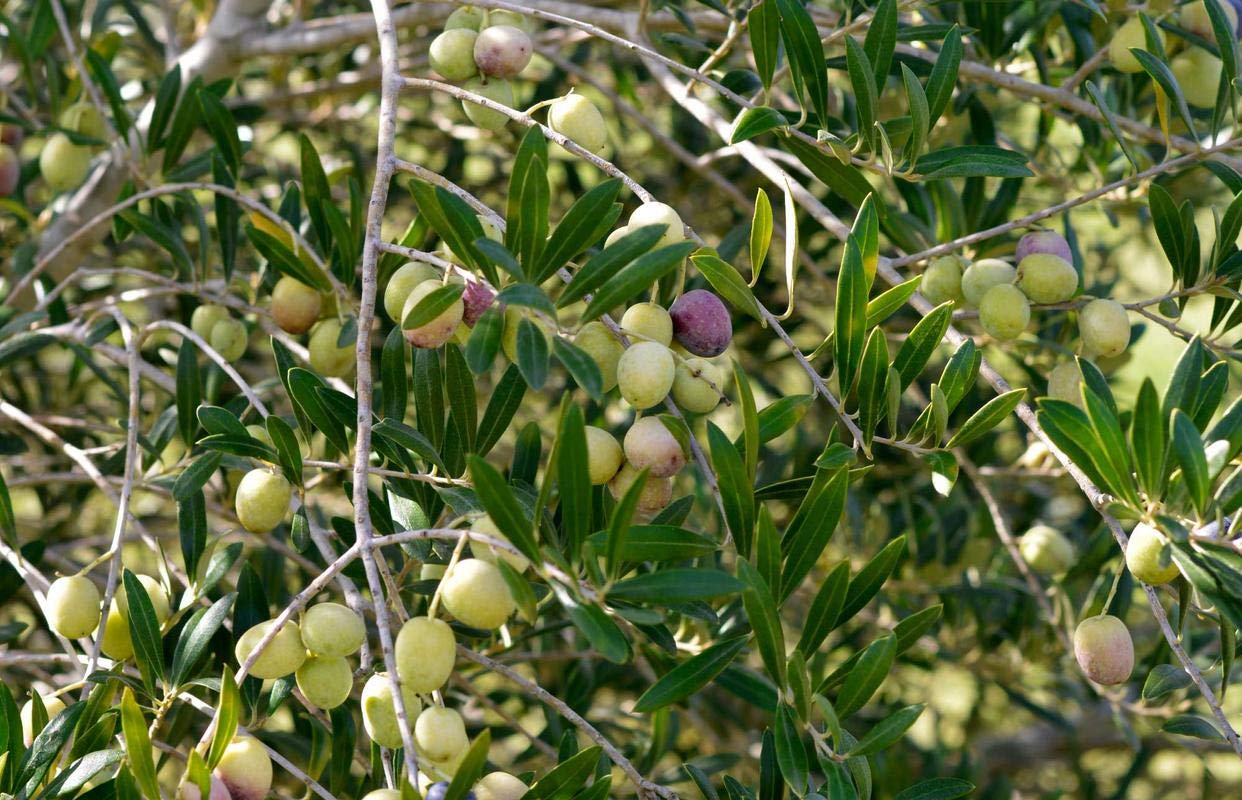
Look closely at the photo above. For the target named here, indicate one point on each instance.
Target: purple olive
(701, 323)
(477, 299)
(1043, 242)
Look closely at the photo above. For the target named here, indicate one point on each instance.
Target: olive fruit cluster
(414, 282)
(63, 162)
(226, 334)
(315, 652)
(482, 50)
(1197, 70)
(1003, 295)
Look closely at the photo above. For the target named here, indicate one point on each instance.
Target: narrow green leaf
(920, 115)
(501, 505)
(882, 39)
(144, 630)
(574, 480)
(986, 418)
(527, 212)
(887, 731)
(863, 82)
(944, 75)
(919, 345)
(690, 676)
(433, 305)
(578, 228)
(851, 314)
(736, 488)
(503, 404)
(764, 29)
(870, 578)
(228, 709)
(755, 121)
(609, 261)
(635, 277)
(936, 789)
(866, 676)
(138, 746)
(602, 632)
(761, 610)
(790, 751)
(676, 585)
(1188, 448)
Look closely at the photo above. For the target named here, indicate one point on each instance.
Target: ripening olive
(1146, 556)
(1004, 311)
(325, 682)
(499, 786)
(64, 164)
(379, 709)
(425, 651)
(452, 54)
(1045, 278)
(656, 492)
(246, 769)
(262, 500)
(1104, 327)
(598, 342)
(52, 704)
(327, 356)
(648, 321)
(331, 629)
(645, 374)
(282, 656)
(942, 280)
(1131, 35)
(440, 733)
(697, 385)
(490, 553)
(295, 306)
(651, 446)
(439, 329)
(659, 214)
(1043, 241)
(983, 275)
(73, 606)
(1047, 550)
(603, 455)
(578, 119)
(475, 592)
(701, 323)
(1104, 649)
(402, 282)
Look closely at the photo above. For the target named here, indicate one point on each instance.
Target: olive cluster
(1197, 70)
(296, 309)
(483, 49)
(1102, 644)
(1003, 296)
(656, 353)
